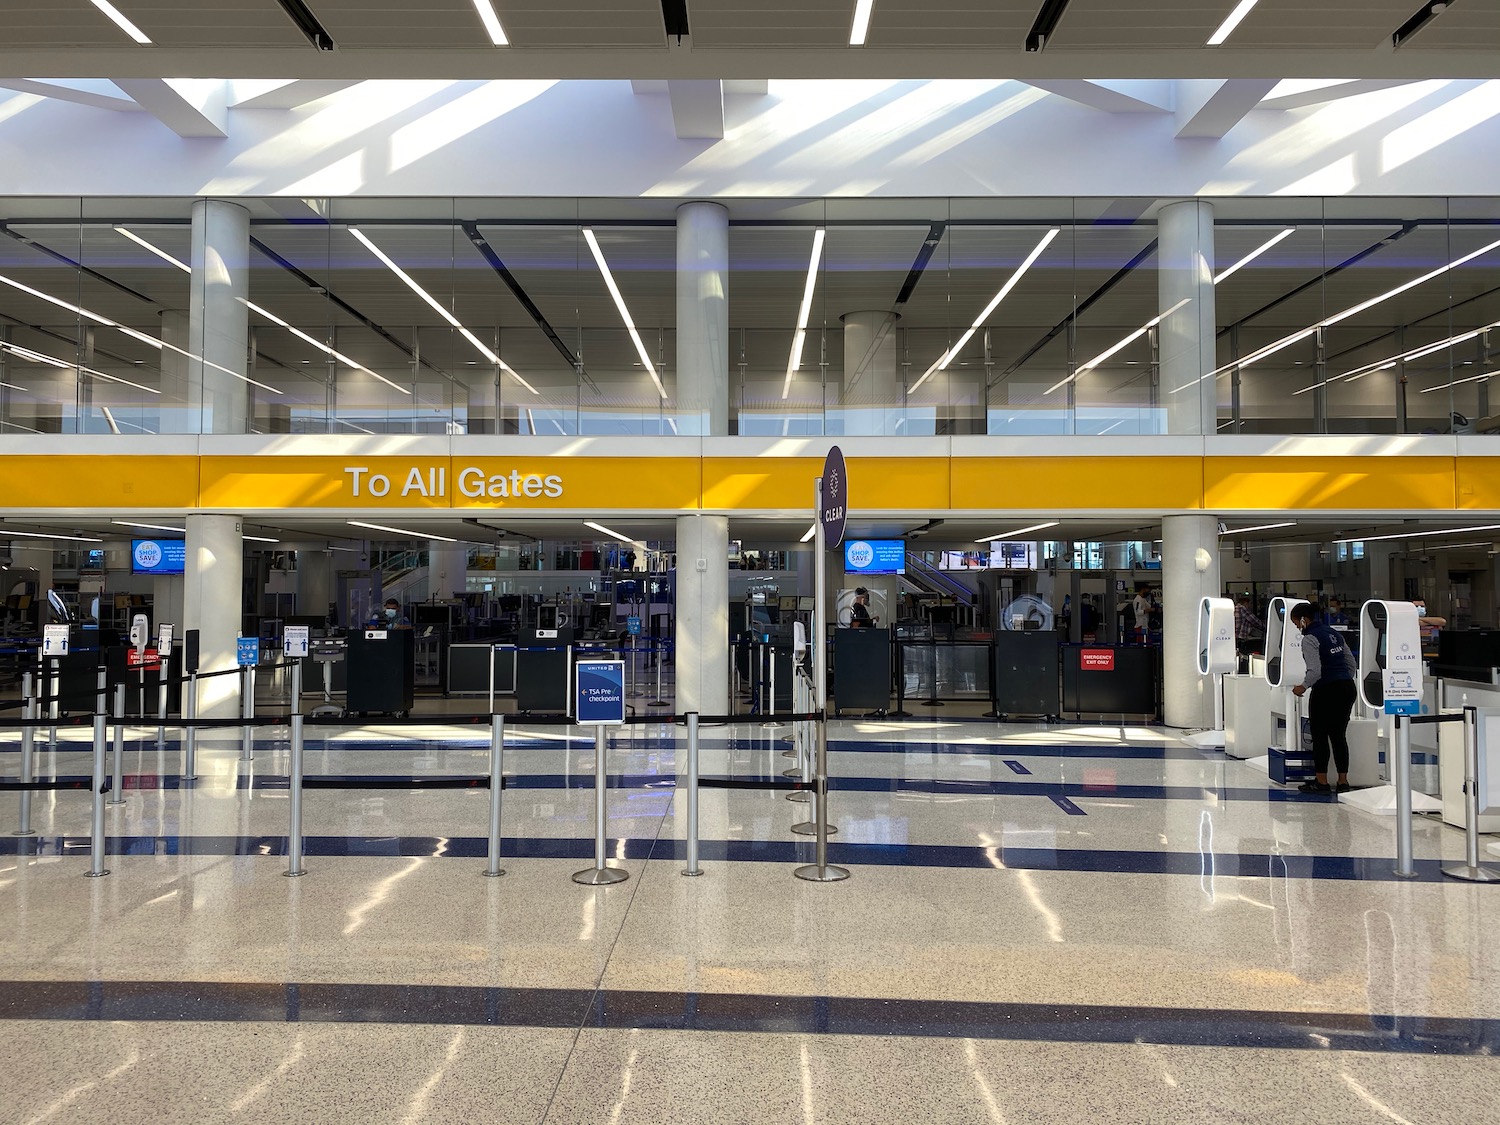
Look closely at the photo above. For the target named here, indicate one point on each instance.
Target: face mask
(1421, 609)
(390, 615)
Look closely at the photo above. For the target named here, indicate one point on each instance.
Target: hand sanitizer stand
(1216, 656)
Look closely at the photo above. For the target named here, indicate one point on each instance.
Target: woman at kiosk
(1330, 679)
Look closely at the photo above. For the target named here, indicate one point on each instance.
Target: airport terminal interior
(678, 561)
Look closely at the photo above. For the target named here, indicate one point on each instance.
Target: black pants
(1328, 706)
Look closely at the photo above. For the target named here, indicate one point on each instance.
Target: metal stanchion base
(791, 773)
(812, 873)
(799, 796)
(931, 703)
(1398, 873)
(658, 703)
(27, 832)
(809, 828)
(493, 874)
(95, 874)
(600, 876)
(114, 804)
(293, 874)
(1473, 874)
(692, 874)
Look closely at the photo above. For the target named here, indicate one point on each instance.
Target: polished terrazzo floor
(1043, 924)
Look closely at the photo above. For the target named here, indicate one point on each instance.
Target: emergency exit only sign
(1097, 659)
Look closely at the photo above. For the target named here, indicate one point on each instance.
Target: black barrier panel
(862, 669)
(542, 680)
(1025, 674)
(754, 783)
(397, 783)
(381, 672)
(1110, 679)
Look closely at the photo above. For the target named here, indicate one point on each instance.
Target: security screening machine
(1216, 656)
(1285, 669)
(1390, 679)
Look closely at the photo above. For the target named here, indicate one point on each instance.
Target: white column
(703, 319)
(703, 614)
(1185, 285)
(314, 582)
(212, 594)
(219, 319)
(167, 593)
(177, 398)
(39, 559)
(447, 569)
(1189, 572)
(872, 385)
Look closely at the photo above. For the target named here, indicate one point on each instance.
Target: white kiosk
(1285, 668)
(1390, 678)
(1216, 656)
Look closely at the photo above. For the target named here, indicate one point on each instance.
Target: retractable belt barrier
(1471, 870)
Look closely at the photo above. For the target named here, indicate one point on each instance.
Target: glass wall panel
(42, 336)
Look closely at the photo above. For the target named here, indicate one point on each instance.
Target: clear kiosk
(1216, 657)
(1390, 679)
(1285, 669)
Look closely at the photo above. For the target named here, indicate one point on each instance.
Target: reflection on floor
(1043, 924)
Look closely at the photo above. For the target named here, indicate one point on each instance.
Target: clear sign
(601, 693)
(294, 639)
(247, 651)
(835, 498)
(54, 640)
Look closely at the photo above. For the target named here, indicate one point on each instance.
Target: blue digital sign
(158, 556)
(875, 556)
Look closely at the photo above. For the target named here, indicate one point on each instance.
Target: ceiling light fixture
(614, 291)
(439, 309)
(1256, 253)
(152, 526)
(1017, 531)
(599, 527)
(1357, 373)
(1420, 534)
(1257, 527)
(1010, 283)
(1241, 10)
(53, 361)
(121, 22)
(1459, 382)
(403, 531)
(259, 539)
(1045, 24)
(491, 22)
(804, 311)
(6, 533)
(807, 536)
(861, 27)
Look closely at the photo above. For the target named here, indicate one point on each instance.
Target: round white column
(219, 317)
(703, 615)
(1189, 572)
(872, 384)
(447, 569)
(314, 582)
(703, 319)
(212, 595)
(1185, 286)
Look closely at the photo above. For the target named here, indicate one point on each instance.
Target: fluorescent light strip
(804, 311)
(1256, 253)
(401, 531)
(152, 526)
(807, 536)
(6, 533)
(1353, 310)
(259, 539)
(491, 23)
(599, 527)
(614, 291)
(1258, 527)
(438, 308)
(53, 361)
(13, 387)
(948, 356)
(861, 27)
(1420, 534)
(1017, 531)
(1460, 382)
(121, 22)
(1241, 10)
(157, 250)
(1356, 373)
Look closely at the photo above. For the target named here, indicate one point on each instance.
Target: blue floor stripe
(1094, 861)
(619, 1009)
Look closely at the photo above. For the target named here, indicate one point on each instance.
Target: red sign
(142, 658)
(1096, 659)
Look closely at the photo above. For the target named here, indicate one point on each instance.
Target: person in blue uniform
(1329, 682)
(388, 618)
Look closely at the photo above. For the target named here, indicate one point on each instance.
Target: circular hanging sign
(835, 498)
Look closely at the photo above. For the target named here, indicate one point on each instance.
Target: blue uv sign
(633, 625)
(1403, 706)
(601, 693)
(247, 651)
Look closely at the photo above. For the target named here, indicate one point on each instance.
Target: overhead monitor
(158, 556)
(875, 556)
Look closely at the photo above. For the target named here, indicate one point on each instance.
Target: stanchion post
(189, 731)
(497, 784)
(161, 705)
(117, 759)
(1401, 776)
(1471, 871)
(96, 820)
(28, 755)
(247, 711)
(296, 685)
(54, 707)
(692, 796)
(600, 875)
(294, 865)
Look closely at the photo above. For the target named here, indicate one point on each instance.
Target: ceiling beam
(1209, 107)
(697, 108)
(294, 94)
(1155, 98)
(94, 98)
(1333, 93)
(189, 107)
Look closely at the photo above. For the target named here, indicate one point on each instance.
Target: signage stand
(600, 702)
(1216, 656)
